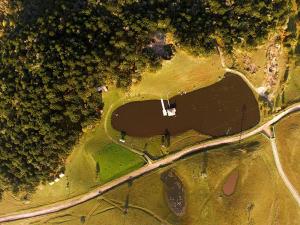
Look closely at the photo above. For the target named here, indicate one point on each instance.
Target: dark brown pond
(224, 108)
(174, 191)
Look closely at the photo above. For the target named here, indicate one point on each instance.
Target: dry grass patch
(254, 59)
(292, 87)
(183, 73)
(288, 141)
(253, 62)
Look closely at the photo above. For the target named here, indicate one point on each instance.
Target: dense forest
(54, 54)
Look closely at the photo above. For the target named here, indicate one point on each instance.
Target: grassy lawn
(114, 161)
(288, 141)
(292, 89)
(258, 57)
(183, 73)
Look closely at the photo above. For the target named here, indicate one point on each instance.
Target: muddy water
(224, 108)
(230, 184)
(174, 192)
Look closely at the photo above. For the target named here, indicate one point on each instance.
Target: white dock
(163, 107)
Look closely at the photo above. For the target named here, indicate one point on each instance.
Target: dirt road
(47, 209)
(283, 176)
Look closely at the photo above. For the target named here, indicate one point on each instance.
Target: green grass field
(292, 89)
(114, 161)
(288, 141)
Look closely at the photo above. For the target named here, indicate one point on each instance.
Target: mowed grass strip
(288, 142)
(292, 89)
(115, 161)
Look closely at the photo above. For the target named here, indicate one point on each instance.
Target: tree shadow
(30, 10)
(167, 138)
(173, 105)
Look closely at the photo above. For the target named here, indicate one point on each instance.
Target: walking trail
(235, 71)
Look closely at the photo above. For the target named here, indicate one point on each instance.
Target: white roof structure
(171, 112)
(51, 183)
(56, 180)
(61, 175)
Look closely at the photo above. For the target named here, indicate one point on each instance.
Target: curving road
(283, 176)
(143, 170)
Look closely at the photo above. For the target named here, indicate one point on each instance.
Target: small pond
(230, 183)
(174, 191)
